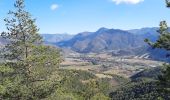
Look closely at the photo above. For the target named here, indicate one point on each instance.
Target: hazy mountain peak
(145, 30)
(102, 30)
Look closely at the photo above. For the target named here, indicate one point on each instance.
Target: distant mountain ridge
(119, 42)
(109, 39)
(54, 38)
(103, 39)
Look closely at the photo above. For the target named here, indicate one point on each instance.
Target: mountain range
(109, 39)
(119, 42)
(54, 38)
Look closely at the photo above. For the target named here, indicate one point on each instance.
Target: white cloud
(54, 7)
(127, 1)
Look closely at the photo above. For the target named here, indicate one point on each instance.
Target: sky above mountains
(74, 16)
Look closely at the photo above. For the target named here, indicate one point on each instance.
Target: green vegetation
(29, 66)
(163, 42)
(144, 90)
(149, 88)
(81, 85)
(31, 70)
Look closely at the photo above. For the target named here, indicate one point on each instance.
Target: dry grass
(123, 66)
(119, 72)
(103, 76)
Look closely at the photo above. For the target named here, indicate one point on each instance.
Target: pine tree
(30, 67)
(163, 42)
(167, 3)
(22, 33)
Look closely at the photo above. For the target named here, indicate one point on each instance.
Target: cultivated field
(104, 65)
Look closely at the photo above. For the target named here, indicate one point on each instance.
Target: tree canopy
(29, 66)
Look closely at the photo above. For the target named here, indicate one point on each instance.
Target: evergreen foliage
(29, 66)
(163, 42)
(30, 70)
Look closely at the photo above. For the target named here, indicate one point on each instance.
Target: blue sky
(74, 16)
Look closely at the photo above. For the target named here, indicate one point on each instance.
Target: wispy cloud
(54, 6)
(127, 1)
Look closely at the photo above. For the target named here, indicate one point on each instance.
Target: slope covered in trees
(29, 66)
(30, 70)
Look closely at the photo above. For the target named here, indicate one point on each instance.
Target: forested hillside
(32, 70)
